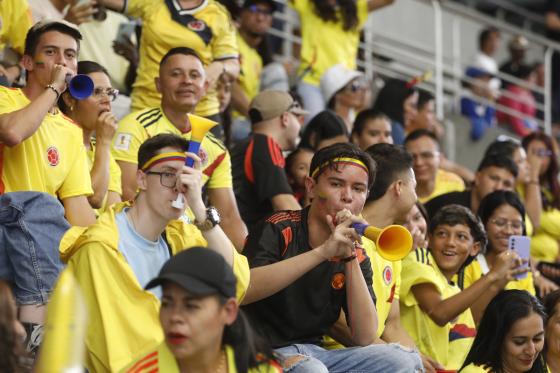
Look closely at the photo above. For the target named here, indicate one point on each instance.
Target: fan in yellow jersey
(15, 20)
(330, 32)
(432, 180)
(94, 116)
(435, 311)
(511, 336)
(202, 25)
(203, 326)
(182, 82)
(502, 214)
(114, 259)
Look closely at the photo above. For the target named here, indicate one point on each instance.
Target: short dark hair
(500, 162)
(325, 125)
(504, 310)
(485, 35)
(423, 98)
(456, 214)
(84, 67)
(365, 116)
(504, 148)
(153, 145)
(492, 201)
(394, 160)
(179, 50)
(33, 36)
(422, 132)
(324, 159)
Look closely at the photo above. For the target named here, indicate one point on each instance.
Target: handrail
(534, 17)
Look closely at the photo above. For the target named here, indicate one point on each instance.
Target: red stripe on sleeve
(248, 164)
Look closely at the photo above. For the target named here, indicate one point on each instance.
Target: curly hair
(10, 350)
(348, 12)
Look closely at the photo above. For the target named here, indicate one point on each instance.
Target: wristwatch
(212, 219)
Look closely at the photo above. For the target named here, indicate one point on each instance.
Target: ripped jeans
(373, 358)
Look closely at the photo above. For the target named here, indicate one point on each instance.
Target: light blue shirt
(145, 257)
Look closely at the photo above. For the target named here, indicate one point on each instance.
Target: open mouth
(176, 338)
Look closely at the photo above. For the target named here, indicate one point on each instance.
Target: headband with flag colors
(164, 157)
(346, 160)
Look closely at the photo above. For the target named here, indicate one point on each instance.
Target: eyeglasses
(502, 223)
(426, 156)
(542, 153)
(111, 92)
(167, 179)
(356, 85)
(256, 9)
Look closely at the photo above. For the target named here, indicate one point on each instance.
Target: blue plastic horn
(80, 86)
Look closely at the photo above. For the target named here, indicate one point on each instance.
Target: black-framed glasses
(356, 85)
(111, 92)
(167, 179)
(257, 9)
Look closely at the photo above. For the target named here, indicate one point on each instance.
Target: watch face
(214, 215)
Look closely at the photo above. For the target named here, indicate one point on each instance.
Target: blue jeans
(373, 358)
(31, 226)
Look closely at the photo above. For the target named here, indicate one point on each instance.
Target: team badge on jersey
(203, 155)
(122, 141)
(52, 156)
(387, 275)
(196, 25)
(338, 281)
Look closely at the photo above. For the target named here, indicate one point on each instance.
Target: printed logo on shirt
(338, 281)
(122, 142)
(196, 25)
(387, 275)
(203, 155)
(52, 156)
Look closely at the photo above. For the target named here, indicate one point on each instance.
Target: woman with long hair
(99, 125)
(330, 32)
(510, 337)
(544, 244)
(552, 336)
(12, 333)
(204, 329)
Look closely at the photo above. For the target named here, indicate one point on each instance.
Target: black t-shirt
(304, 311)
(258, 175)
(553, 6)
(459, 198)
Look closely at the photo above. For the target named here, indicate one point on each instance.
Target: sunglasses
(255, 9)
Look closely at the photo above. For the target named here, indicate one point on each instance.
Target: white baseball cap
(336, 78)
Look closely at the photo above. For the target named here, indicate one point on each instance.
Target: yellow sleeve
(471, 368)
(550, 223)
(242, 274)
(299, 5)
(221, 176)
(114, 176)
(416, 269)
(78, 180)
(141, 8)
(7, 100)
(362, 12)
(18, 23)
(224, 42)
(471, 273)
(130, 135)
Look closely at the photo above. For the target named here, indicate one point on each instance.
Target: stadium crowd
(246, 254)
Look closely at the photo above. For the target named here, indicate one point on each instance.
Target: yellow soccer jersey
(449, 344)
(251, 69)
(446, 182)
(139, 126)
(479, 267)
(325, 44)
(114, 175)
(15, 20)
(471, 368)
(208, 30)
(53, 160)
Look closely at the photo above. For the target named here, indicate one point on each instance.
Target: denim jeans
(380, 358)
(31, 226)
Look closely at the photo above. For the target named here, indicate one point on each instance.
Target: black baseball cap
(200, 271)
(248, 3)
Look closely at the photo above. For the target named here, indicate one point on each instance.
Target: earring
(72, 108)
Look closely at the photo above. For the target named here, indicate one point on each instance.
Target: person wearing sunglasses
(344, 91)
(545, 243)
(99, 125)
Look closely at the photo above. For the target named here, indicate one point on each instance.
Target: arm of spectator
(394, 332)
(105, 129)
(10, 72)
(466, 174)
(284, 202)
(116, 5)
(378, 4)
(128, 177)
(340, 332)
(79, 13)
(112, 198)
(224, 200)
(78, 211)
(239, 99)
(533, 197)
(552, 21)
(228, 66)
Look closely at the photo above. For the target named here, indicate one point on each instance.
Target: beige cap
(271, 104)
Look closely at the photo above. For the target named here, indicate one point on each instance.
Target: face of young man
(182, 82)
(336, 189)
(292, 127)
(53, 48)
(406, 195)
(256, 19)
(425, 152)
(491, 179)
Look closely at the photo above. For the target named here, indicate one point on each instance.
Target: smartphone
(100, 12)
(522, 246)
(125, 31)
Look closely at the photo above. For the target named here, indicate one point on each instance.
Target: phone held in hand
(522, 246)
(125, 31)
